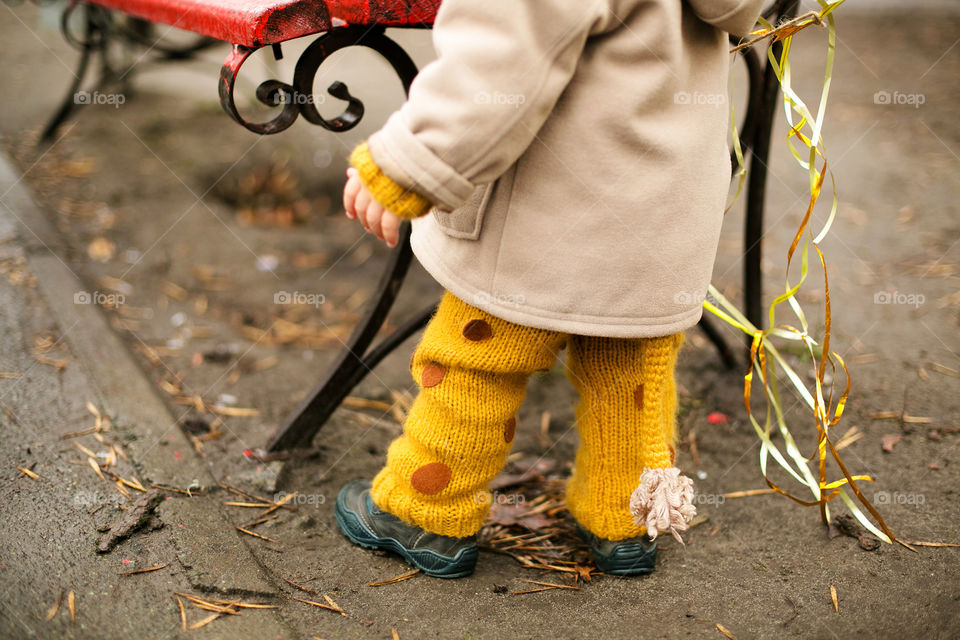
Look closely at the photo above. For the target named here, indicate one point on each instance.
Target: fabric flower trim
(663, 502)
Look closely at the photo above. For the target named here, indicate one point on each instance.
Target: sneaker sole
(628, 560)
(458, 566)
(617, 567)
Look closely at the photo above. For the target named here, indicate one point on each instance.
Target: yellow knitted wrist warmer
(405, 203)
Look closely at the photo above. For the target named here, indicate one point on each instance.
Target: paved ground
(140, 201)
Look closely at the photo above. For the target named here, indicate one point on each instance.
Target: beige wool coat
(575, 152)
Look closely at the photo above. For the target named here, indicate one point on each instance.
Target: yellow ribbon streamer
(806, 146)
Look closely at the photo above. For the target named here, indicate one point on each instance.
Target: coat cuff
(405, 203)
(399, 152)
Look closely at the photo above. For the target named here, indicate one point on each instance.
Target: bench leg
(718, 341)
(99, 30)
(93, 40)
(355, 361)
(762, 130)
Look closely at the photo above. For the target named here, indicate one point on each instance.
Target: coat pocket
(466, 221)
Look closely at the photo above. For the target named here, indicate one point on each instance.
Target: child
(565, 164)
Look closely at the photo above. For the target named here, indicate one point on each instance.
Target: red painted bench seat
(256, 23)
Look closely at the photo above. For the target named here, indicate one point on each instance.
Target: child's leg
(472, 369)
(626, 420)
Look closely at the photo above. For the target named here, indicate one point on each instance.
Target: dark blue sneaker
(630, 557)
(364, 524)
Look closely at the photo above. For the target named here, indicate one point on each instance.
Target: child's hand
(359, 204)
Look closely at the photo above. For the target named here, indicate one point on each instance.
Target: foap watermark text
(899, 98)
(299, 297)
(100, 298)
(86, 97)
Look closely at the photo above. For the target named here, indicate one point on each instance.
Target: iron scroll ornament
(289, 97)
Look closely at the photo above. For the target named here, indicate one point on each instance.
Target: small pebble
(322, 159)
(267, 262)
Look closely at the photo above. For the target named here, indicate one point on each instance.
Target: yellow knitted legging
(627, 422)
(473, 368)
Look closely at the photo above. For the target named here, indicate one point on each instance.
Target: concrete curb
(215, 558)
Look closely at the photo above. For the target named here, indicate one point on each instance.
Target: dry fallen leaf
(515, 514)
(183, 614)
(944, 370)
(526, 591)
(748, 493)
(79, 168)
(27, 472)
(545, 440)
(90, 454)
(889, 440)
(256, 535)
(56, 606)
(333, 604)
(101, 249)
(551, 584)
(722, 629)
(96, 467)
(907, 214)
(845, 524)
(147, 570)
(321, 605)
(400, 578)
(583, 572)
(234, 412)
(204, 622)
(222, 606)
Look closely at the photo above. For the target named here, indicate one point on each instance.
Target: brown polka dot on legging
(432, 374)
(477, 330)
(638, 396)
(431, 478)
(509, 430)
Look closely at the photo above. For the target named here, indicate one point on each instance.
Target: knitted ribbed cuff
(405, 203)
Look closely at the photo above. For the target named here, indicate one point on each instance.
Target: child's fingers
(362, 205)
(390, 226)
(374, 216)
(350, 191)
